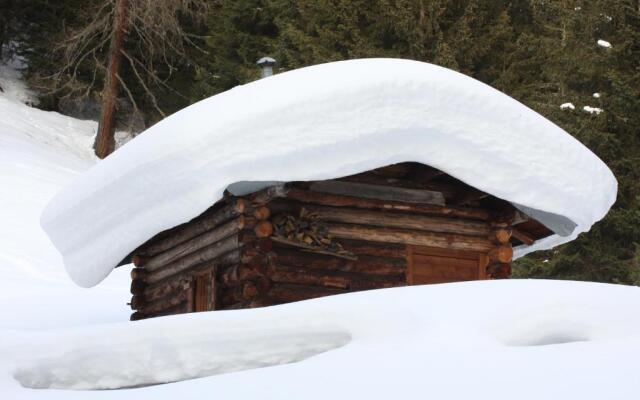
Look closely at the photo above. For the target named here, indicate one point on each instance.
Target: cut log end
(501, 236)
(263, 229)
(249, 290)
(262, 213)
(499, 271)
(137, 302)
(138, 260)
(136, 316)
(501, 254)
(138, 273)
(241, 206)
(137, 286)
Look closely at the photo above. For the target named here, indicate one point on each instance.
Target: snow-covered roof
(323, 122)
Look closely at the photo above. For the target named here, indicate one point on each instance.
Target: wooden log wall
(376, 231)
(228, 235)
(233, 242)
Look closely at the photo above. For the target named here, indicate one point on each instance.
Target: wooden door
(434, 265)
(203, 293)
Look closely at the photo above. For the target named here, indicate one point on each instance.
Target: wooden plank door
(203, 293)
(433, 265)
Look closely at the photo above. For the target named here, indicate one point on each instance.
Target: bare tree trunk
(105, 142)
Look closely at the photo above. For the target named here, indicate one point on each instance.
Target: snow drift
(323, 122)
(452, 341)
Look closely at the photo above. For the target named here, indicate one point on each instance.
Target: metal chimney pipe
(266, 65)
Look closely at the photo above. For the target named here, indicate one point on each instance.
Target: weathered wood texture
(232, 248)
(390, 219)
(195, 227)
(306, 196)
(379, 192)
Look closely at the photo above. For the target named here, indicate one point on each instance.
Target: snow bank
(40, 152)
(323, 122)
(604, 43)
(484, 339)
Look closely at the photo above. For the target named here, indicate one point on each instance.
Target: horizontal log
(208, 253)
(195, 227)
(413, 237)
(226, 260)
(378, 192)
(179, 308)
(137, 286)
(170, 287)
(234, 274)
(523, 237)
(331, 278)
(365, 284)
(165, 303)
(447, 190)
(285, 292)
(361, 247)
(501, 254)
(364, 264)
(305, 196)
(304, 276)
(264, 196)
(396, 220)
(214, 235)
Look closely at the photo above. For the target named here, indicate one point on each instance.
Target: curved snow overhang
(324, 122)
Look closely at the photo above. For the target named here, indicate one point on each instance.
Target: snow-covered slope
(482, 340)
(323, 122)
(39, 153)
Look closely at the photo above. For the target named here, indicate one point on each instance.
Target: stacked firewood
(307, 230)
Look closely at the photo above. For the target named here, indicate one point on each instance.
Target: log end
(249, 290)
(501, 236)
(136, 302)
(137, 286)
(501, 254)
(136, 316)
(263, 229)
(138, 274)
(138, 260)
(262, 213)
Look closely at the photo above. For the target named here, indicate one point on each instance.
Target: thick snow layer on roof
(323, 122)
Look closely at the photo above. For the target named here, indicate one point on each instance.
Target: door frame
(203, 292)
(481, 258)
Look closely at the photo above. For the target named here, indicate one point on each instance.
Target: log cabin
(403, 224)
(340, 177)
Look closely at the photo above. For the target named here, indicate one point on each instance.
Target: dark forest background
(543, 53)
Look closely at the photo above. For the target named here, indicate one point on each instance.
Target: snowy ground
(484, 340)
